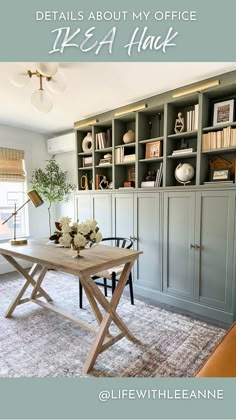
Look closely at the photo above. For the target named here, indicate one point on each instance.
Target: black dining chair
(113, 274)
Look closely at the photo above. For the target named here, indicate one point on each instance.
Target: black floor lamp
(37, 201)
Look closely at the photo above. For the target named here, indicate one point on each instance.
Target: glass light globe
(41, 101)
(47, 69)
(19, 77)
(57, 84)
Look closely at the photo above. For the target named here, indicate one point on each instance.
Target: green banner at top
(107, 30)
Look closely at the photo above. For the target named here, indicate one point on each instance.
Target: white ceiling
(93, 88)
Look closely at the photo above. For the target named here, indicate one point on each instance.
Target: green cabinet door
(123, 215)
(215, 212)
(147, 231)
(178, 242)
(83, 207)
(102, 213)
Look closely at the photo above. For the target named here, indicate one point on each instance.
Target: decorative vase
(87, 143)
(77, 249)
(129, 137)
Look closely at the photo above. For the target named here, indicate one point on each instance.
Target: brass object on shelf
(84, 182)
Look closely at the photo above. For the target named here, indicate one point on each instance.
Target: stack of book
(219, 139)
(120, 156)
(103, 140)
(87, 161)
(105, 161)
(183, 151)
(192, 119)
(157, 182)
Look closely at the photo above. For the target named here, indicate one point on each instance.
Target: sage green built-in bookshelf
(153, 120)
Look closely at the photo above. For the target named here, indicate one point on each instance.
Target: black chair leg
(131, 289)
(113, 282)
(105, 286)
(80, 295)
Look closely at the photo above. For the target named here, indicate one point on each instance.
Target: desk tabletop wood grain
(91, 261)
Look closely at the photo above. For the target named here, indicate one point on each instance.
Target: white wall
(34, 146)
(67, 162)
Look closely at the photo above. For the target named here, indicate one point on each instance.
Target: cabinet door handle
(197, 246)
(192, 246)
(133, 238)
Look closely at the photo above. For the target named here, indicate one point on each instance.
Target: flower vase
(77, 249)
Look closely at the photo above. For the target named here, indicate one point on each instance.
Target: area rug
(38, 343)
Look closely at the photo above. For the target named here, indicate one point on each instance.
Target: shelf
(85, 153)
(155, 124)
(219, 127)
(126, 145)
(186, 134)
(222, 150)
(106, 149)
(151, 140)
(125, 163)
(104, 166)
(160, 159)
(183, 155)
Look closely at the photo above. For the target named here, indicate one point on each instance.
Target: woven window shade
(11, 165)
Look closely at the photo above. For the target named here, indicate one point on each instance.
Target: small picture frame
(223, 112)
(220, 175)
(153, 150)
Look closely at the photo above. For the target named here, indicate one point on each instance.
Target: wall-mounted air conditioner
(61, 144)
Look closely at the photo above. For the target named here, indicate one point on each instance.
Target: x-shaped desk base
(103, 339)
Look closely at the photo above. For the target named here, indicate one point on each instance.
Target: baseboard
(189, 306)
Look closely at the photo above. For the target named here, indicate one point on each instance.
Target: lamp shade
(57, 84)
(35, 198)
(19, 77)
(47, 69)
(41, 101)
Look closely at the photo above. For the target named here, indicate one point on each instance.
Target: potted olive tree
(52, 185)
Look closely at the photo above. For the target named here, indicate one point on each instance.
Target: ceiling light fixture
(45, 72)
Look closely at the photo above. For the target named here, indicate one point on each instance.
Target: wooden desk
(45, 256)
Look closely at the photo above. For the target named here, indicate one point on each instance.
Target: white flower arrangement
(76, 235)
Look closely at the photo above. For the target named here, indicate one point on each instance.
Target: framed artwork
(220, 175)
(153, 149)
(131, 174)
(223, 112)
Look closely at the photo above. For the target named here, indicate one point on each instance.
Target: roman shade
(11, 165)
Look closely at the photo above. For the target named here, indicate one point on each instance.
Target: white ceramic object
(87, 143)
(129, 137)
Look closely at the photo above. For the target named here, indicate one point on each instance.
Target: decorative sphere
(184, 172)
(129, 137)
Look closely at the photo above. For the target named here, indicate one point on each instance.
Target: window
(12, 192)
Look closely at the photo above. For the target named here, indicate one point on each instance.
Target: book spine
(196, 115)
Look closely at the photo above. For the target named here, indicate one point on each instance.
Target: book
(196, 114)
(145, 184)
(87, 161)
(182, 151)
(129, 158)
(219, 182)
